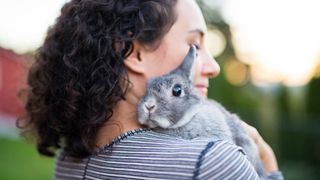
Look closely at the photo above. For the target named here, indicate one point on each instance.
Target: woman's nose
(210, 67)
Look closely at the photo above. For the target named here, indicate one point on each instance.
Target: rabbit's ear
(186, 68)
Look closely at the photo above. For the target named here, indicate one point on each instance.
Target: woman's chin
(202, 91)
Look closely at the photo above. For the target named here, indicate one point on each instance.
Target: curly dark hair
(79, 74)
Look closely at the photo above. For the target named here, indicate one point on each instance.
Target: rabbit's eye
(177, 89)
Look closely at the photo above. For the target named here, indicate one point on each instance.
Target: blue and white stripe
(145, 154)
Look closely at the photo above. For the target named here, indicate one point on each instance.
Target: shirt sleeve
(274, 175)
(223, 160)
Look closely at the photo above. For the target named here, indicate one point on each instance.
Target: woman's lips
(203, 89)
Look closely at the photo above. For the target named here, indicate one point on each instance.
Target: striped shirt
(145, 154)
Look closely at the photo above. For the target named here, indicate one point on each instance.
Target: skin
(143, 64)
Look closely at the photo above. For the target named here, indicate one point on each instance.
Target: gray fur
(190, 116)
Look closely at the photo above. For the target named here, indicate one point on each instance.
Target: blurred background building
(12, 75)
(269, 53)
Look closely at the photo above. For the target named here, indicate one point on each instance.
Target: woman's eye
(177, 90)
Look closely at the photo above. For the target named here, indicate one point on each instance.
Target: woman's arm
(266, 153)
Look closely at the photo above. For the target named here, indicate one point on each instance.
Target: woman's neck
(124, 119)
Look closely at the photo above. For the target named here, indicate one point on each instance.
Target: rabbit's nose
(150, 107)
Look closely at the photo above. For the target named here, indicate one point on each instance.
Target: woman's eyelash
(197, 46)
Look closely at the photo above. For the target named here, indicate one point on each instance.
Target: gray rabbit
(172, 106)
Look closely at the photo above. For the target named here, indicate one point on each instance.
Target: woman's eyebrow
(199, 31)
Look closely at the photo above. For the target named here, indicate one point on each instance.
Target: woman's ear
(134, 62)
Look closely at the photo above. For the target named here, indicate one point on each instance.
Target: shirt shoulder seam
(200, 158)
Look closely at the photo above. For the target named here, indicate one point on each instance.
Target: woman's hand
(266, 153)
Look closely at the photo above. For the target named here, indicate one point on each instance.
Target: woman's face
(188, 29)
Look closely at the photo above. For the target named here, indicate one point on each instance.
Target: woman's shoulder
(214, 159)
(149, 140)
(161, 155)
(145, 138)
(200, 158)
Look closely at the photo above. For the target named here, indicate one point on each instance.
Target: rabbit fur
(189, 115)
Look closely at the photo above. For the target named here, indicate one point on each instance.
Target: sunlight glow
(280, 39)
(215, 41)
(24, 22)
(236, 72)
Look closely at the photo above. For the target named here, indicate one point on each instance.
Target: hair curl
(79, 73)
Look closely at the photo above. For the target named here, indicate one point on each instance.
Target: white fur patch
(142, 120)
(164, 123)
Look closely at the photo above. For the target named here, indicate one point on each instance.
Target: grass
(20, 160)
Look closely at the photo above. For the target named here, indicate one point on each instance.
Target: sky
(280, 39)
(23, 23)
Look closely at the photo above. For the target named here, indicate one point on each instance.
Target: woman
(89, 76)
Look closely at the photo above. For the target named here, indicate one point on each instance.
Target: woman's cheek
(197, 69)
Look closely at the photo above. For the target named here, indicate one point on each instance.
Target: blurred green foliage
(19, 160)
